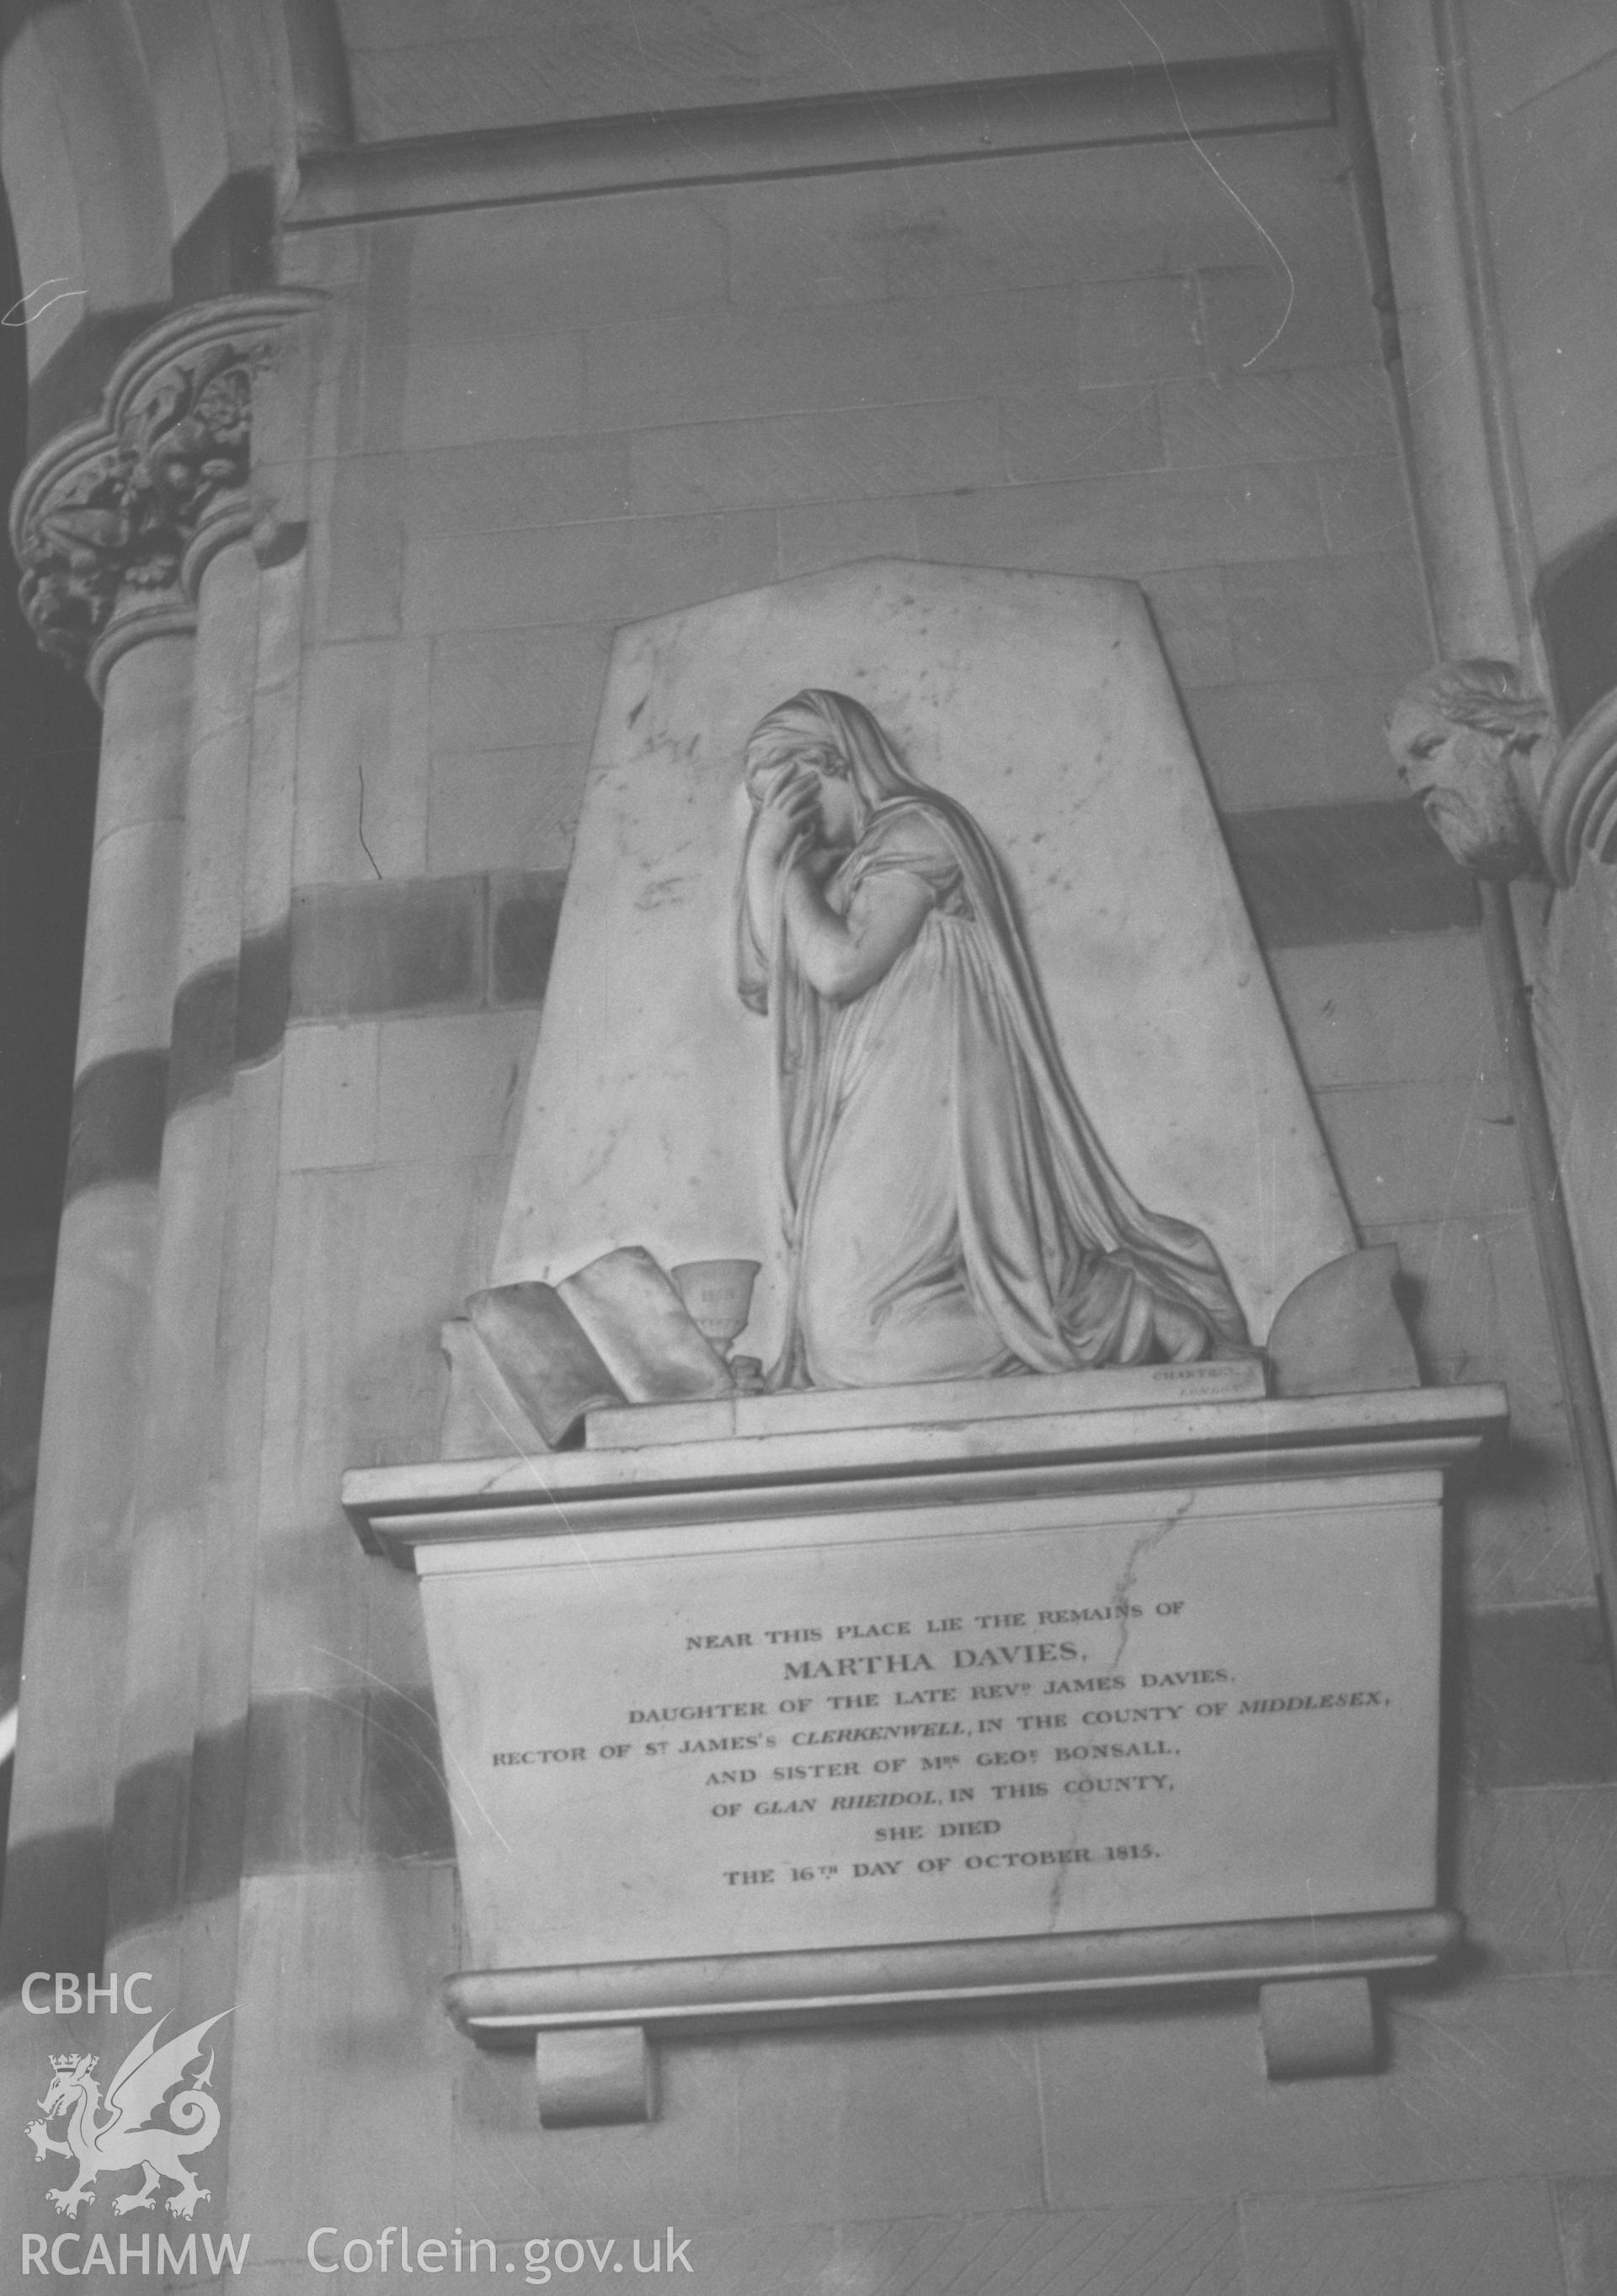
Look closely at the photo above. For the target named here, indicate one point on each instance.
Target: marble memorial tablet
(1084, 1713)
(1039, 708)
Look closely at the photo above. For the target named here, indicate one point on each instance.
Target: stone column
(174, 1852)
(117, 526)
(1478, 551)
(1446, 387)
(94, 599)
(175, 1473)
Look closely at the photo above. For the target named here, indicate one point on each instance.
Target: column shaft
(54, 1904)
(1478, 562)
(1461, 538)
(174, 1600)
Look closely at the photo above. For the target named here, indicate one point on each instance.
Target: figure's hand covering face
(837, 808)
(808, 780)
(785, 805)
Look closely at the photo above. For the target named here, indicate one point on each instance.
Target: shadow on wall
(50, 733)
(25, 1308)
(15, 13)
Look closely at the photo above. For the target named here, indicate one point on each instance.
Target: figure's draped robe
(949, 1212)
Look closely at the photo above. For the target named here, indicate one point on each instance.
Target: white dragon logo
(126, 2138)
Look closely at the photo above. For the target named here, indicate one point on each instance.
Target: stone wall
(431, 66)
(1540, 110)
(1541, 93)
(533, 425)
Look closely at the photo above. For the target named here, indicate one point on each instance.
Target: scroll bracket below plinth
(594, 2032)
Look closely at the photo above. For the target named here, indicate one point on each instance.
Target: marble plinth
(401, 1511)
(809, 1410)
(758, 1728)
(1044, 704)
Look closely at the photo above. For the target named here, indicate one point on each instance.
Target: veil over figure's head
(817, 718)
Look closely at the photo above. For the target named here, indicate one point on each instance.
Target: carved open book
(617, 1332)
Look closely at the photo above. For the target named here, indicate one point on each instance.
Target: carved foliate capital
(73, 549)
(109, 510)
(190, 439)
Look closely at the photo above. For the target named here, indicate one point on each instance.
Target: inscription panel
(951, 1723)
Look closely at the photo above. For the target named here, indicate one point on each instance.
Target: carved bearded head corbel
(1461, 736)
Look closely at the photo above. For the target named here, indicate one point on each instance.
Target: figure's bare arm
(778, 835)
(843, 956)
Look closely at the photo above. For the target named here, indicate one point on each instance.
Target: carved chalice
(718, 1296)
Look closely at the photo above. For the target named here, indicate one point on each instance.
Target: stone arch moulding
(146, 163)
(84, 170)
(322, 98)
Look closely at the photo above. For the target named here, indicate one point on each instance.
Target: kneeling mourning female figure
(950, 1210)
